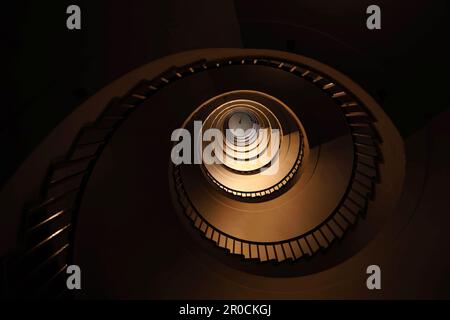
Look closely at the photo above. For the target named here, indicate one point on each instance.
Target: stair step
(60, 255)
(350, 107)
(366, 171)
(61, 215)
(142, 89)
(296, 250)
(357, 117)
(328, 234)
(271, 255)
(353, 207)
(237, 247)
(58, 173)
(246, 250)
(313, 245)
(366, 159)
(254, 251)
(358, 199)
(215, 237)
(337, 231)
(34, 240)
(305, 247)
(365, 149)
(362, 129)
(63, 201)
(287, 251)
(364, 180)
(230, 245)
(279, 252)
(62, 179)
(208, 233)
(363, 139)
(116, 109)
(362, 189)
(323, 242)
(38, 252)
(58, 189)
(222, 241)
(341, 221)
(62, 206)
(348, 215)
(262, 253)
(91, 134)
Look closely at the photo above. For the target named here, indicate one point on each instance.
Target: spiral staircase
(332, 172)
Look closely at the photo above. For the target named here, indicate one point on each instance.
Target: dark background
(50, 70)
